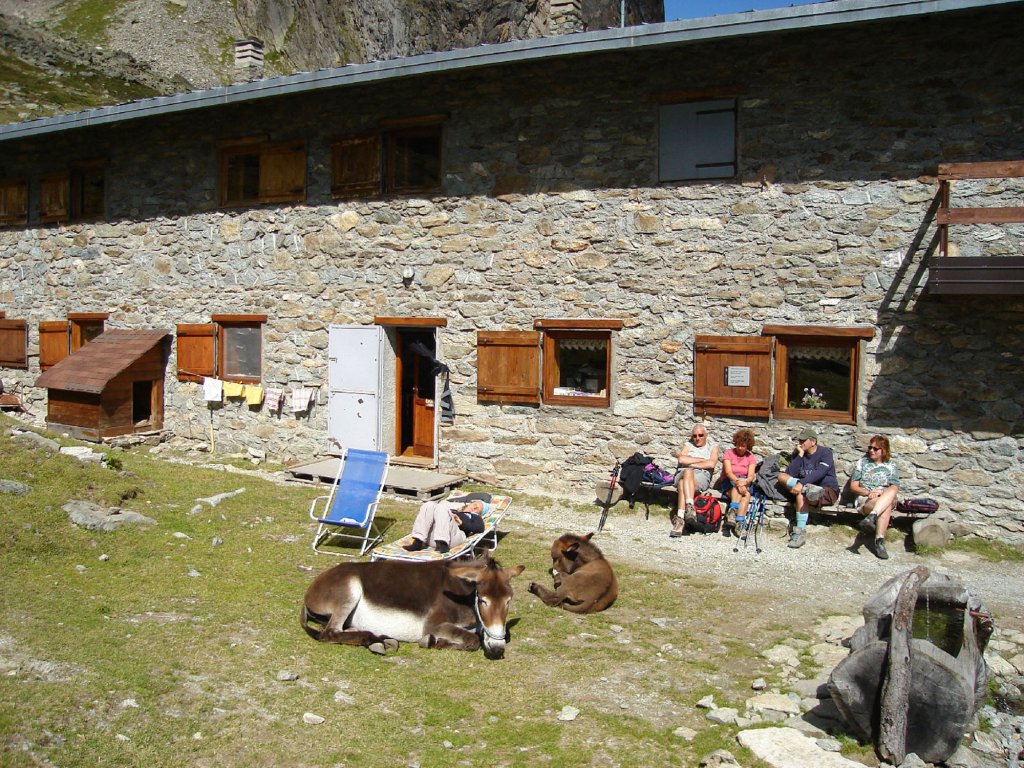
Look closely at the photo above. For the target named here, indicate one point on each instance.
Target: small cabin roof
(93, 366)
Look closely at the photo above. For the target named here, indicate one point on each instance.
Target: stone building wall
(551, 209)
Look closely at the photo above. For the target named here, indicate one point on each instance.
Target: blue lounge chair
(352, 502)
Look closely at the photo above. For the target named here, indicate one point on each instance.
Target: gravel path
(824, 575)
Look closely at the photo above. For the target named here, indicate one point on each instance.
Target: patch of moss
(992, 551)
(88, 20)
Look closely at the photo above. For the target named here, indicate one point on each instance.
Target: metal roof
(802, 17)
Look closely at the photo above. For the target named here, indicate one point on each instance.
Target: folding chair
(486, 539)
(352, 502)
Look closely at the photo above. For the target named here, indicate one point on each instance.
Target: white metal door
(354, 378)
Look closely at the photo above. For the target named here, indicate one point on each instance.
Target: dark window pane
(416, 160)
(819, 377)
(582, 366)
(242, 351)
(242, 180)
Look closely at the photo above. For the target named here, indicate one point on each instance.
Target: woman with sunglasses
(876, 480)
(696, 461)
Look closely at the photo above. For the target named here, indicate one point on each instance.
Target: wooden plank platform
(422, 484)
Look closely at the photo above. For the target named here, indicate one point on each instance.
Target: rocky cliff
(62, 55)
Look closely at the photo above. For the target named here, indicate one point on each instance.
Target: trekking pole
(612, 481)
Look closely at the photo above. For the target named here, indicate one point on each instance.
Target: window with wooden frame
(87, 190)
(13, 202)
(59, 338)
(817, 371)
(697, 140)
(230, 348)
(561, 362)
(75, 195)
(791, 372)
(254, 171)
(240, 347)
(402, 157)
(85, 326)
(13, 343)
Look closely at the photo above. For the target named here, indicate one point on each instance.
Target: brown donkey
(584, 580)
(441, 604)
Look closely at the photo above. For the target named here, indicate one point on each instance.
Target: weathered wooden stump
(916, 674)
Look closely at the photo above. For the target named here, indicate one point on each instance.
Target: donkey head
(492, 599)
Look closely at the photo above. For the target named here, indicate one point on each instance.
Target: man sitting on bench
(811, 480)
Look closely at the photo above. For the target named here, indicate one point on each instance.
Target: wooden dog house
(114, 385)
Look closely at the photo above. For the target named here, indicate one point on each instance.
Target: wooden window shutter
(196, 355)
(53, 342)
(13, 343)
(751, 359)
(53, 197)
(13, 202)
(283, 172)
(507, 366)
(355, 166)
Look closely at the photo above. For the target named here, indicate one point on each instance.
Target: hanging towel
(234, 389)
(253, 394)
(213, 390)
(447, 404)
(274, 398)
(300, 399)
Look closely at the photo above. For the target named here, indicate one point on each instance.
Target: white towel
(300, 399)
(273, 399)
(213, 390)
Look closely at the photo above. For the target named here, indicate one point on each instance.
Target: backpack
(656, 475)
(707, 516)
(922, 506)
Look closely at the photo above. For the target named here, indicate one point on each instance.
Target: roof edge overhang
(674, 33)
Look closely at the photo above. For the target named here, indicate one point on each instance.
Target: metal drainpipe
(622, 13)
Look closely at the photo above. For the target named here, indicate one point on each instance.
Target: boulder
(931, 532)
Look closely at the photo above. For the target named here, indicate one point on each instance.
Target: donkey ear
(589, 536)
(515, 570)
(467, 572)
(571, 550)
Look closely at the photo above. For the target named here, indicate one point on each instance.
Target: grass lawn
(154, 647)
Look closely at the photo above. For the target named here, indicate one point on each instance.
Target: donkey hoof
(428, 641)
(534, 586)
(378, 648)
(390, 644)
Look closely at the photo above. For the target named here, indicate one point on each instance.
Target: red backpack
(707, 514)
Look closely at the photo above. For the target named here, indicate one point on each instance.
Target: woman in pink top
(739, 465)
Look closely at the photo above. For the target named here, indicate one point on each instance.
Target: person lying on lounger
(444, 524)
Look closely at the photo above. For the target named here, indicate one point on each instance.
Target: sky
(695, 9)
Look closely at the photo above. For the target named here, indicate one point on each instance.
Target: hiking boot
(414, 546)
(867, 525)
(880, 551)
(797, 539)
(441, 546)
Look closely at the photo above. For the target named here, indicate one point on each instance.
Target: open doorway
(142, 402)
(416, 382)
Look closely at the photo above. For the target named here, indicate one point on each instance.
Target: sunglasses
(699, 434)
(873, 448)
